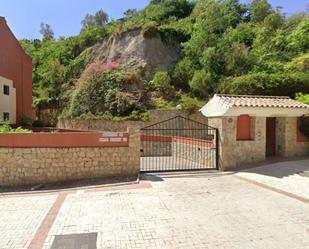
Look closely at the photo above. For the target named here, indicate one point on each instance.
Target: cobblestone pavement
(282, 175)
(185, 210)
(20, 217)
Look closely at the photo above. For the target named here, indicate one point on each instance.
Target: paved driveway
(250, 209)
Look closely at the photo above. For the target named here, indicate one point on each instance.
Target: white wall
(8, 103)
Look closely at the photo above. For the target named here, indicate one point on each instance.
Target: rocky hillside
(134, 51)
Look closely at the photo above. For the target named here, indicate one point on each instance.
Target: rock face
(134, 51)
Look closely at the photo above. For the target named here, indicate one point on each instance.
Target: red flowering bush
(103, 88)
(96, 68)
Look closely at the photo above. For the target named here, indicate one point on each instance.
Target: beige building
(252, 128)
(7, 100)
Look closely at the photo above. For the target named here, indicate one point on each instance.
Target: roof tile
(260, 101)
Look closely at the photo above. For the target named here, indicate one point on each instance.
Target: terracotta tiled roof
(260, 101)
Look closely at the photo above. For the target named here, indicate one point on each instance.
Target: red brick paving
(276, 190)
(140, 185)
(41, 234)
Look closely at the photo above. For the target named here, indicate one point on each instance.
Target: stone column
(293, 148)
(135, 149)
(226, 130)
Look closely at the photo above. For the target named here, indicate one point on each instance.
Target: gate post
(135, 147)
(217, 149)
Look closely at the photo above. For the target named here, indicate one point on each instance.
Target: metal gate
(178, 144)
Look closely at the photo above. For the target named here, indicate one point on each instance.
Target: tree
(46, 31)
(273, 21)
(129, 14)
(183, 73)
(281, 84)
(162, 84)
(237, 59)
(55, 77)
(223, 45)
(201, 83)
(233, 11)
(100, 18)
(299, 39)
(259, 10)
(292, 21)
(299, 64)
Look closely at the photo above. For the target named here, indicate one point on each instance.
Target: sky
(24, 16)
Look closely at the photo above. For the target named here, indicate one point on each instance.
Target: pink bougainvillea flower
(97, 67)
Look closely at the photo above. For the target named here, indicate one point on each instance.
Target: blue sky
(25, 16)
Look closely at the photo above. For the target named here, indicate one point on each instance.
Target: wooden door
(270, 136)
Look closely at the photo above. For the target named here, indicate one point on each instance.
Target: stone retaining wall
(156, 148)
(155, 116)
(233, 153)
(202, 154)
(31, 166)
(287, 142)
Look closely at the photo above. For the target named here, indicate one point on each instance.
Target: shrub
(162, 84)
(38, 123)
(25, 120)
(298, 39)
(267, 84)
(300, 63)
(145, 116)
(201, 83)
(125, 103)
(6, 128)
(150, 29)
(304, 127)
(303, 98)
(183, 73)
(135, 115)
(96, 90)
(190, 105)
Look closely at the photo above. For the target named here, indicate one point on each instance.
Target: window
(6, 90)
(244, 127)
(299, 135)
(6, 116)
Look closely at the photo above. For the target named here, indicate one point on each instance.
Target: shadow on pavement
(76, 184)
(280, 169)
(151, 177)
(160, 176)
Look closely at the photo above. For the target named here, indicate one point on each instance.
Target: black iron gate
(178, 144)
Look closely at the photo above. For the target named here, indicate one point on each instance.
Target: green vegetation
(161, 83)
(226, 47)
(6, 128)
(103, 88)
(38, 123)
(134, 116)
(303, 98)
(191, 105)
(58, 64)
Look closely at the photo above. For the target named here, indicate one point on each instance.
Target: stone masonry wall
(199, 155)
(287, 144)
(155, 116)
(280, 136)
(30, 166)
(233, 153)
(156, 148)
(252, 151)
